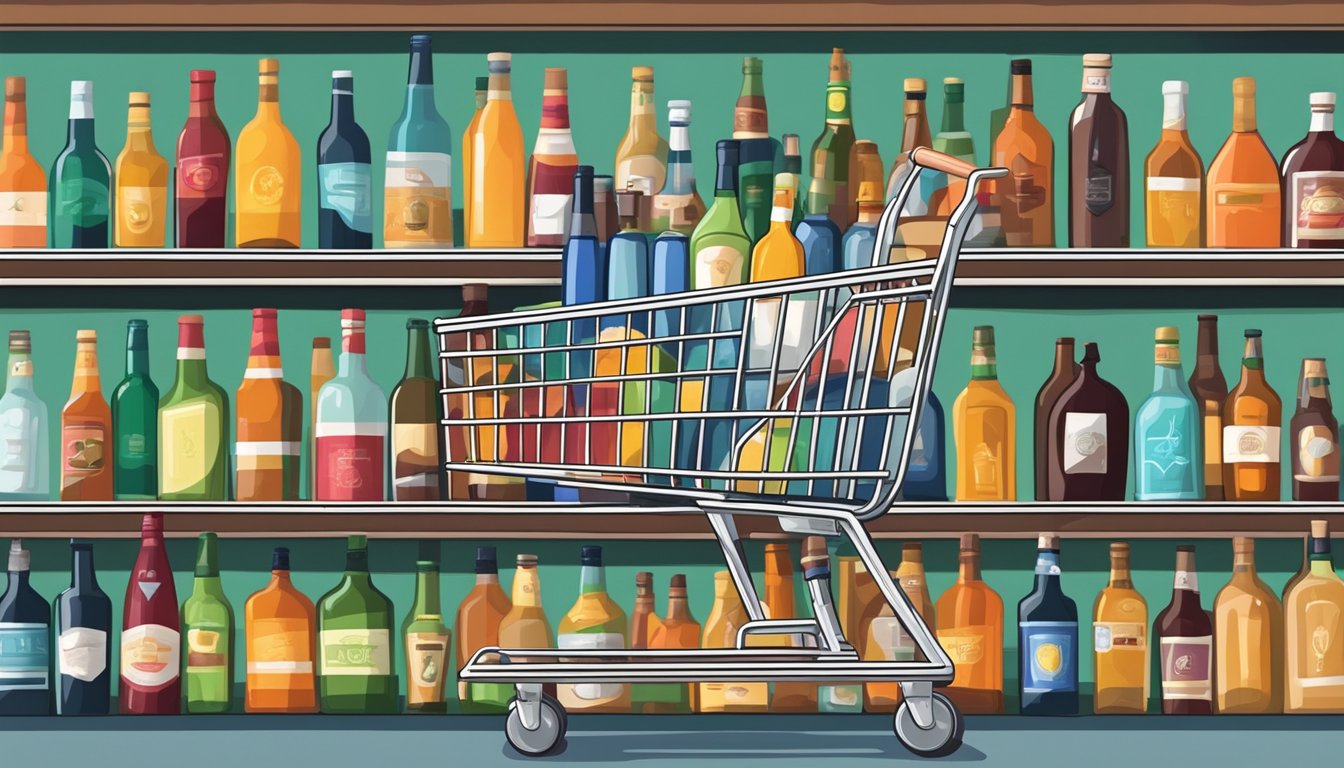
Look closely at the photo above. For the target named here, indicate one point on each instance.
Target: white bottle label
(591, 692)
(718, 265)
(83, 653)
(23, 209)
(1253, 444)
(363, 652)
(550, 213)
(151, 655)
(1085, 446)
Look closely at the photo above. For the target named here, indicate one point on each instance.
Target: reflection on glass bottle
(1168, 456)
(25, 467)
(970, 629)
(479, 621)
(984, 426)
(1248, 625)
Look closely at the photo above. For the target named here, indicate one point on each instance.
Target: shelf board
(1149, 268)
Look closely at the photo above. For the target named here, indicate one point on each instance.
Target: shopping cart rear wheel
(551, 727)
(942, 739)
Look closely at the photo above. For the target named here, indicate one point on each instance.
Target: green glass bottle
(135, 414)
(207, 621)
(81, 179)
(427, 643)
(720, 247)
(829, 191)
(193, 425)
(354, 624)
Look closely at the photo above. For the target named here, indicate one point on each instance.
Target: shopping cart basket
(796, 400)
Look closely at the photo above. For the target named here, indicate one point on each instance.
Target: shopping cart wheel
(552, 722)
(942, 739)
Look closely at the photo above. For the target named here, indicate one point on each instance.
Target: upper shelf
(1150, 267)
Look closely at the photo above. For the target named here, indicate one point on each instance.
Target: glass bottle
(793, 165)
(524, 625)
(418, 185)
(81, 179)
(643, 623)
(193, 425)
(887, 640)
(858, 602)
(268, 193)
(321, 370)
(281, 644)
(469, 141)
(952, 139)
(25, 621)
(83, 615)
(677, 630)
(351, 424)
(25, 467)
(1061, 376)
(151, 639)
(1242, 208)
(678, 207)
(344, 181)
(207, 618)
(270, 420)
(1024, 147)
(23, 183)
(1248, 625)
(427, 641)
(1088, 440)
(779, 603)
(720, 631)
(1098, 162)
(1310, 173)
(604, 209)
(642, 152)
(1185, 634)
(860, 240)
(1314, 433)
(926, 470)
(460, 443)
(416, 433)
(584, 269)
(720, 247)
(755, 180)
(200, 207)
(1209, 389)
(751, 117)
(915, 133)
(550, 173)
(141, 183)
(1174, 178)
(628, 252)
(479, 619)
(1047, 637)
(970, 629)
(135, 421)
(1120, 642)
(86, 424)
(1168, 460)
(818, 233)
(499, 167)
(356, 655)
(1314, 623)
(829, 192)
(595, 622)
(984, 424)
(1252, 419)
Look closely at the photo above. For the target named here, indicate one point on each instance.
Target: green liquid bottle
(193, 425)
(81, 178)
(135, 414)
(207, 621)
(354, 623)
(720, 247)
(427, 644)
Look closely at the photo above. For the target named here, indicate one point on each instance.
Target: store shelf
(1149, 268)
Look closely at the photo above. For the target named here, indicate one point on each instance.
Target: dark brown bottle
(1098, 163)
(1089, 438)
(1315, 437)
(1312, 182)
(1185, 635)
(1065, 371)
(1210, 390)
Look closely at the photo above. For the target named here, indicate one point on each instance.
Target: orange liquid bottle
(478, 621)
(86, 426)
(23, 183)
(1243, 205)
(281, 630)
(270, 421)
(1024, 147)
(970, 629)
(779, 604)
(887, 639)
(498, 167)
(677, 630)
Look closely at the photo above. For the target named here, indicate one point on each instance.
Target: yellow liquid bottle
(984, 427)
(1248, 625)
(642, 152)
(267, 175)
(1174, 179)
(1314, 635)
(727, 615)
(498, 167)
(1120, 642)
(469, 142)
(141, 183)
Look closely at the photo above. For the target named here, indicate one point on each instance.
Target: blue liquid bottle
(1168, 450)
(926, 471)
(628, 256)
(84, 626)
(25, 641)
(344, 182)
(1048, 640)
(584, 280)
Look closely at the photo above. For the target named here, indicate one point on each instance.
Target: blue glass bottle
(856, 247)
(821, 244)
(584, 277)
(1168, 451)
(344, 183)
(25, 641)
(628, 257)
(84, 626)
(1047, 659)
(418, 181)
(80, 180)
(926, 471)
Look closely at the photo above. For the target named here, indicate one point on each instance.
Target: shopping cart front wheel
(942, 737)
(536, 722)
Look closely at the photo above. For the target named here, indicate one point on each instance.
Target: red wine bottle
(151, 644)
(202, 170)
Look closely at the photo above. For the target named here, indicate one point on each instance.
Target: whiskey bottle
(1252, 420)
(984, 428)
(1098, 162)
(1024, 147)
(1248, 626)
(1314, 437)
(1061, 376)
(1120, 641)
(1174, 178)
(1314, 626)
(1242, 208)
(1209, 389)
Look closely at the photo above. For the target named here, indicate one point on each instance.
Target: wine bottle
(135, 421)
(23, 183)
(1061, 376)
(1311, 171)
(345, 187)
(202, 170)
(207, 618)
(417, 190)
(416, 432)
(193, 425)
(151, 652)
(83, 633)
(1185, 635)
(268, 192)
(25, 467)
(270, 420)
(81, 180)
(550, 172)
(141, 183)
(1098, 162)
(25, 631)
(355, 648)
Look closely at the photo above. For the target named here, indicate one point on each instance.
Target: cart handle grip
(938, 161)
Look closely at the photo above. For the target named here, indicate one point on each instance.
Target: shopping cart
(794, 400)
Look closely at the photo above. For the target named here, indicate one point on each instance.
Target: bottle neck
(1253, 361)
(1120, 577)
(1314, 389)
(342, 106)
(1243, 113)
(86, 370)
(1065, 358)
(202, 103)
(16, 125)
(419, 362)
(138, 135)
(916, 122)
(426, 593)
(137, 351)
(592, 578)
(582, 221)
(1243, 562)
(80, 131)
(20, 371)
(1022, 97)
(870, 213)
(191, 369)
(501, 88)
(352, 353)
(984, 364)
(82, 576)
(357, 564)
(1185, 586)
(680, 170)
(725, 185)
(750, 119)
(555, 109)
(268, 96)
(968, 567)
(1321, 562)
(1173, 113)
(1097, 80)
(1322, 120)
(954, 117)
(1208, 341)
(641, 108)
(678, 609)
(837, 103)
(1047, 569)
(263, 360)
(526, 588)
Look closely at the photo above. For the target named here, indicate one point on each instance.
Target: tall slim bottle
(356, 653)
(831, 150)
(418, 181)
(1314, 624)
(281, 647)
(86, 430)
(141, 182)
(1026, 197)
(479, 616)
(469, 141)
(1248, 626)
(135, 421)
(207, 618)
(595, 622)
(726, 617)
(720, 247)
(953, 139)
(1098, 162)
(889, 641)
(1168, 454)
(1088, 440)
(193, 425)
(677, 630)
(642, 151)
(200, 207)
(678, 207)
(793, 165)
(914, 133)
(644, 622)
(1185, 633)
(984, 428)
(779, 603)
(1243, 206)
(322, 369)
(1047, 638)
(1310, 174)
(1314, 437)
(498, 167)
(755, 185)
(23, 183)
(1209, 389)
(1120, 642)
(1174, 179)
(351, 425)
(25, 626)
(268, 173)
(81, 180)
(270, 420)
(1252, 421)
(344, 181)
(151, 640)
(970, 629)
(25, 467)
(604, 208)
(416, 433)
(859, 242)
(426, 640)
(550, 172)
(584, 270)
(1061, 376)
(83, 615)
(751, 117)
(817, 231)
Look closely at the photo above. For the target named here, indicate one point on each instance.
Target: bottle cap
(20, 559)
(138, 323)
(1208, 318)
(791, 144)
(202, 75)
(1314, 368)
(417, 323)
(678, 581)
(982, 335)
(15, 87)
(1243, 86)
(1065, 341)
(815, 555)
(1175, 87)
(1167, 334)
(912, 547)
(1320, 98)
(643, 580)
(679, 111)
(1091, 352)
(641, 74)
(138, 99)
(915, 85)
(426, 566)
(1047, 541)
(20, 341)
(1119, 549)
(352, 318)
(486, 560)
(151, 523)
(1185, 548)
(556, 79)
(81, 546)
(1243, 545)
(357, 542)
(583, 170)
(321, 342)
(190, 320)
(420, 40)
(526, 561)
(265, 312)
(590, 554)
(839, 65)
(1097, 60)
(720, 577)
(482, 83)
(280, 559)
(1020, 66)
(751, 65)
(1253, 333)
(1320, 529)
(86, 336)
(268, 67)
(970, 542)
(83, 89)
(954, 89)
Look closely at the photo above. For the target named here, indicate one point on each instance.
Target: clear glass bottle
(25, 466)
(352, 424)
(642, 151)
(418, 181)
(678, 207)
(1168, 453)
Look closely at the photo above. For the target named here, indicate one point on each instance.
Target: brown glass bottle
(1065, 371)
(1314, 437)
(1210, 390)
(1312, 182)
(1088, 438)
(1252, 421)
(1098, 163)
(1185, 635)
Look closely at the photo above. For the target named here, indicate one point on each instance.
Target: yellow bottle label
(140, 216)
(426, 667)
(1319, 661)
(1173, 212)
(190, 445)
(418, 200)
(415, 457)
(1213, 446)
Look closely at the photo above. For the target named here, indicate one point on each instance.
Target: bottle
(499, 166)
(270, 420)
(677, 630)
(418, 186)
(322, 369)
(1209, 389)
(25, 625)
(135, 421)
(1120, 642)
(1047, 636)
(860, 240)
(643, 623)
(1087, 443)
(1309, 174)
(1315, 437)
(151, 642)
(268, 193)
(628, 253)
(23, 183)
(887, 640)
(751, 117)
(720, 631)
(416, 433)
(669, 272)
(86, 425)
(1024, 147)
(207, 618)
(915, 133)
(281, 634)
(202, 172)
(678, 207)
(595, 622)
(461, 441)
(779, 603)
(858, 602)
(550, 173)
(818, 232)
(479, 618)
(344, 181)
(1302, 570)
(1248, 624)
(1061, 376)
(952, 139)
(427, 641)
(926, 469)
(469, 141)
(1168, 460)
(1242, 208)
(793, 165)
(984, 423)
(970, 629)
(829, 191)
(604, 208)
(356, 654)
(193, 425)
(1185, 634)
(141, 182)
(779, 255)
(1174, 178)
(83, 615)
(755, 177)
(1314, 622)
(25, 467)
(584, 269)
(1252, 419)
(642, 152)
(80, 180)
(720, 247)
(351, 424)
(1098, 162)
(524, 625)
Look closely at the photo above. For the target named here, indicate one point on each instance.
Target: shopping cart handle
(935, 160)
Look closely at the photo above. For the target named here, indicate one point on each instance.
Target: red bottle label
(201, 176)
(350, 467)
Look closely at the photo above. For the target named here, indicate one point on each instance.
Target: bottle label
(751, 121)
(1232, 198)
(278, 648)
(190, 447)
(262, 455)
(1317, 455)
(1085, 446)
(989, 453)
(83, 653)
(426, 660)
(132, 449)
(1051, 648)
(83, 450)
(418, 200)
(347, 189)
(1022, 192)
(350, 460)
(18, 434)
(265, 189)
(208, 663)
(23, 209)
(734, 697)
(150, 655)
(415, 457)
(351, 652)
(83, 202)
(1111, 636)
(138, 212)
(1250, 444)
(1173, 211)
(550, 213)
(201, 176)
(1213, 445)
(1187, 668)
(1317, 199)
(589, 694)
(1098, 190)
(25, 656)
(1320, 664)
(837, 103)
(966, 645)
(718, 265)
(1166, 464)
